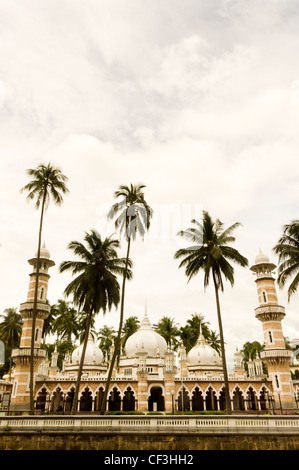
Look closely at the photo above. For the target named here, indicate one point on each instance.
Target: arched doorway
(57, 401)
(183, 400)
(197, 400)
(69, 400)
(114, 401)
(222, 402)
(263, 399)
(99, 399)
(238, 400)
(156, 399)
(211, 400)
(251, 399)
(86, 400)
(129, 400)
(41, 400)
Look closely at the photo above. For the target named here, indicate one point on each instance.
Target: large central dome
(146, 339)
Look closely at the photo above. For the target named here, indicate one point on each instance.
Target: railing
(153, 424)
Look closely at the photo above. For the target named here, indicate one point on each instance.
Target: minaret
(21, 394)
(270, 313)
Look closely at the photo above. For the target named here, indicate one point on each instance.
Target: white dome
(203, 354)
(146, 339)
(261, 258)
(44, 252)
(93, 354)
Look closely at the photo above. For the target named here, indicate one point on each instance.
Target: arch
(156, 398)
(197, 399)
(69, 398)
(183, 399)
(211, 398)
(85, 401)
(222, 399)
(57, 400)
(99, 395)
(114, 400)
(238, 399)
(41, 399)
(129, 399)
(251, 398)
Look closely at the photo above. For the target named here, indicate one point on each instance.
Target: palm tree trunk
(75, 400)
(117, 342)
(227, 396)
(31, 379)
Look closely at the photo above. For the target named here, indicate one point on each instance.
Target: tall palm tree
(288, 250)
(65, 322)
(211, 254)
(10, 330)
(169, 330)
(132, 217)
(96, 287)
(48, 183)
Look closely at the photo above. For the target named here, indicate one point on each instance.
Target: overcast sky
(196, 99)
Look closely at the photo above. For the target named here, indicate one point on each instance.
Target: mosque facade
(151, 377)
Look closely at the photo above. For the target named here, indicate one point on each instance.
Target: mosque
(150, 376)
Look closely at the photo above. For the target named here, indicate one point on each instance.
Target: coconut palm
(211, 254)
(186, 336)
(130, 326)
(106, 335)
(65, 323)
(10, 330)
(48, 183)
(96, 286)
(132, 217)
(169, 330)
(214, 341)
(288, 250)
(197, 324)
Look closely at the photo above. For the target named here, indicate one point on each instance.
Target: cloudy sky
(197, 99)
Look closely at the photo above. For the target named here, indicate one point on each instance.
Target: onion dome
(261, 263)
(93, 354)
(147, 340)
(44, 252)
(202, 353)
(261, 258)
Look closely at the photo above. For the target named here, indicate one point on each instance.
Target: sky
(196, 99)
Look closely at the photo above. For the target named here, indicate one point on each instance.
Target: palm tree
(197, 324)
(210, 254)
(130, 326)
(214, 341)
(96, 287)
(186, 336)
(11, 330)
(169, 330)
(288, 250)
(65, 322)
(47, 183)
(132, 216)
(48, 323)
(106, 336)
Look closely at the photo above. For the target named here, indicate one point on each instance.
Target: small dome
(44, 252)
(261, 258)
(146, 339)
(203, 353)
(93, 354)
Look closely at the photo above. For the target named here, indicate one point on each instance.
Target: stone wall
(95, 441)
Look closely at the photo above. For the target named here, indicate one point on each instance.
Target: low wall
(149, 433)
